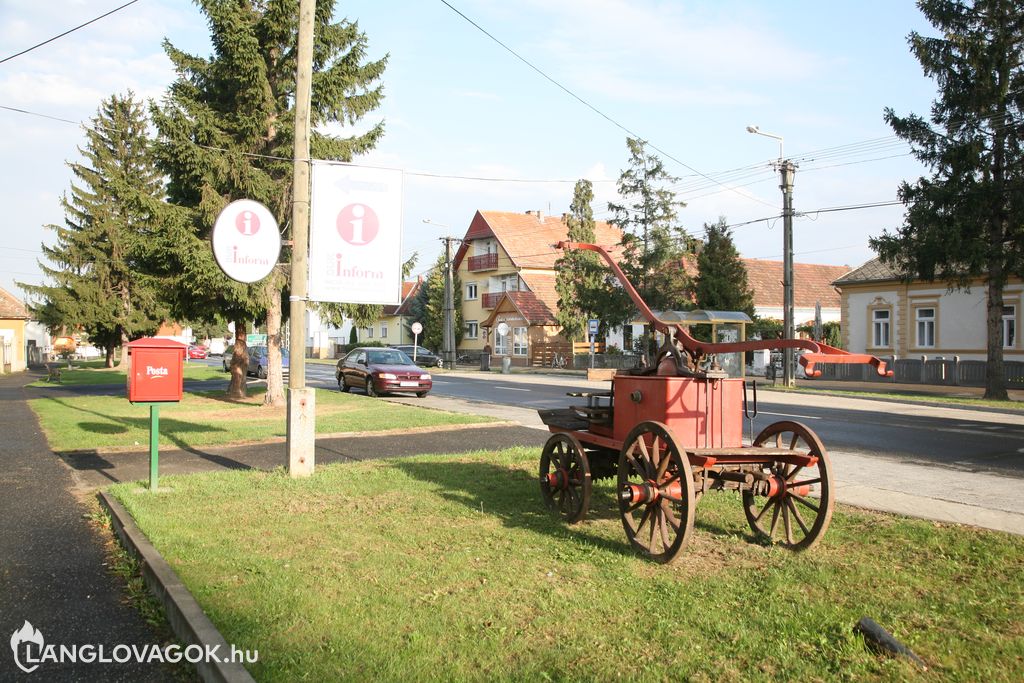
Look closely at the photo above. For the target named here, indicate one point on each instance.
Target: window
(471, 291)
(519, 341)
(500, 343)
(369, 333)
(383, 330)
(925, 327)
(880, 328)
(509, 283)
(472, 329)
(1008, 328)
(627, 338)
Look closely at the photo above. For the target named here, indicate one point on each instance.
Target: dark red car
(382, 371)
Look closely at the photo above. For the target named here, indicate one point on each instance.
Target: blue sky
(687, 76)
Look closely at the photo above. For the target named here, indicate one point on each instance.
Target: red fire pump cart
(673, 431)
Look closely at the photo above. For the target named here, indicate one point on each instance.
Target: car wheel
(440, 362)
(227, 367)
(371, 390)
(342, 384)
(420, 394)
(260, 372)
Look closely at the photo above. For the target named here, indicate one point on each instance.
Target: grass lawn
(98, 374)
(449, 568)
(206, 419)
(902, 395)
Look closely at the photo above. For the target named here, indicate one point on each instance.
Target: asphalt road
(966, 444)
(974, 445)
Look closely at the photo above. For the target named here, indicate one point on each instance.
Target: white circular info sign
(246, 241)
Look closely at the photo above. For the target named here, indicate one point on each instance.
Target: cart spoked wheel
(655, 492)
(795, 504)
(565, 477)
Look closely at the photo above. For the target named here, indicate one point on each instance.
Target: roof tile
(11, 306)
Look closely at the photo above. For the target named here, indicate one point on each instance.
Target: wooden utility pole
(301, 399)
(449, 307)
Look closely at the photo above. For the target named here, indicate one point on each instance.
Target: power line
(50, 40)
(588, 105)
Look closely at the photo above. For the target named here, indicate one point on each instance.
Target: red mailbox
(156, 370)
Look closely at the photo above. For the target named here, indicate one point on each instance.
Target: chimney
(540, 215)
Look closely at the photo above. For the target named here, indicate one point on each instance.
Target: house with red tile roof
(506, 264)
(392, 326)
(812, 284)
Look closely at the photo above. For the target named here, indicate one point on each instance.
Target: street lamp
(787, 169)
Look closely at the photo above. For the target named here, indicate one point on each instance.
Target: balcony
(482, 262)
(490, 300)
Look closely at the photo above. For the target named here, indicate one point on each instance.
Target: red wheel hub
(558, 480)
(777, 486)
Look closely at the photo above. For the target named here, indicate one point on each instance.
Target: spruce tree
(226, 131)
(427, 307)
(580, 278)
(721, 283)
(966, 219)
(101, 258)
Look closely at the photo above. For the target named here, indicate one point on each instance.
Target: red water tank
(155, 370)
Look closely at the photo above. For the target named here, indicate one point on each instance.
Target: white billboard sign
(246, 241)
(355, 242)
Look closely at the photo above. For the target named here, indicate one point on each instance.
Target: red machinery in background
(673, 431)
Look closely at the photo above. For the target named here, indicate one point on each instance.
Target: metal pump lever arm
(817, 352)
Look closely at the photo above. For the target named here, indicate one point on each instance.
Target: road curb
(187, 619)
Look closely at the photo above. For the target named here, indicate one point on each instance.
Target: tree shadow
(511, 495)
(102, 428)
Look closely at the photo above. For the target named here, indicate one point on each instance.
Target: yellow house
(507, 268)
(13, 317)
(393, 325)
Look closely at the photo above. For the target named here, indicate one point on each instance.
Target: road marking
(802, 417)
(512, 388)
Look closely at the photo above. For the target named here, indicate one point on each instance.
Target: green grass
(97, 374)
(207, 418)
(903, 395)
(449, 568)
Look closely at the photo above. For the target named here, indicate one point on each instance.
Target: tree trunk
(122, 362)
(995, 375)
(275, 381)
(109, 356)
(239, 363)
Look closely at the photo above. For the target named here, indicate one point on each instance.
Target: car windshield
(388, 357)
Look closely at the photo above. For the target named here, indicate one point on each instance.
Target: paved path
(52, 571)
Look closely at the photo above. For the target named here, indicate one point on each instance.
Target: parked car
(381, 371)
(422, 356)
(258, 362)
(198, 352)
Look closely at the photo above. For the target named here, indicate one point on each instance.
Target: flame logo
(26, 634)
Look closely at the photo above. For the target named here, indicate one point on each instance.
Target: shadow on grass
(102, 428)
(513, 496)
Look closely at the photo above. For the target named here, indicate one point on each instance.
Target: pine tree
(101, 257)
(721, 283)
(227, 130)
(580, 280)
(966, 220)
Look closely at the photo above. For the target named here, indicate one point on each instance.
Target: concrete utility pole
(301, 399)
(788, 170)
(449, 307)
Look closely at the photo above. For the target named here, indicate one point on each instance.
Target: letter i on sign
(358, 211)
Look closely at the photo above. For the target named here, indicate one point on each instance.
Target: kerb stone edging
(187, 619)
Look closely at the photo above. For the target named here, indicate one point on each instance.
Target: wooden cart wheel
(655, 492)
(804, 503)
(565, 477)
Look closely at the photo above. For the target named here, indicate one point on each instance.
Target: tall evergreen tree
(966, 220)
(227, 130)
(100, 261)
(721, 283)
(580, 276)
